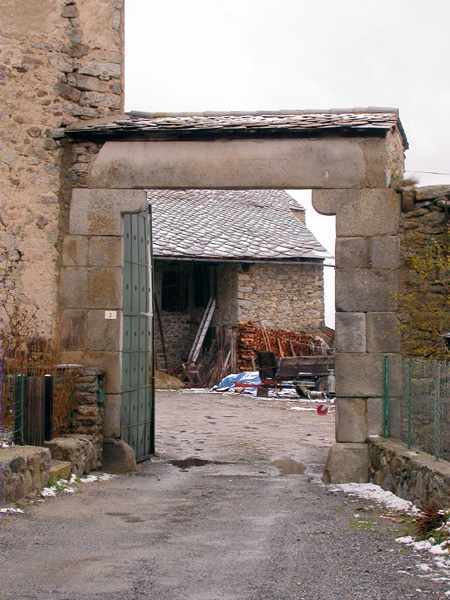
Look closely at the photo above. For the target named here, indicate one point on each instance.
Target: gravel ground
(236, 528)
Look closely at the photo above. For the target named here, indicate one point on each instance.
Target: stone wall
(282, 296)
(415, 476)
(424, 236)
(60, 61)
(227, 295)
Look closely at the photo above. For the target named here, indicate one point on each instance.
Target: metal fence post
(386, 399)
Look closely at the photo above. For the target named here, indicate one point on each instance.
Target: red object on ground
(322, 409)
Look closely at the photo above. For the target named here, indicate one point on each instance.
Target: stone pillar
(91, 288)
(367, 278)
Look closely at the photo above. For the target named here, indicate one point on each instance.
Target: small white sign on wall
(111, 314)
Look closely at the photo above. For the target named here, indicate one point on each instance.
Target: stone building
(249, 249)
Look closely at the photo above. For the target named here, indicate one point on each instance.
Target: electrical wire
(427, 172)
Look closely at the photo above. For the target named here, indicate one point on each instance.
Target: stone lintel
(319, 162)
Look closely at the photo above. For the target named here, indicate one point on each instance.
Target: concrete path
(232, 529)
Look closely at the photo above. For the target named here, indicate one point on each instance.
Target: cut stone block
(352, 253)
(361, 375)
(112, 418)
(105, 288)
(75, 251)
(364, 290)
(118, 457)
(308, 163)
(73, 329)
(105, 252)
(103, 335)
(351, 419)
(347, 463)
(383, 332)
(385, 252)
(73, 287)
(97, 212)
(375, 416)
(368, 212)
(350, 332)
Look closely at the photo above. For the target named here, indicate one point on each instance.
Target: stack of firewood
(255, 338)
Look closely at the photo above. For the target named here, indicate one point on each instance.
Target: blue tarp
(228, 383)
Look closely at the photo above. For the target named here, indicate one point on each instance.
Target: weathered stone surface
(368, 212)
(74, 287)
(73, 329)
(23, 471)
(98, 212)
(105, 252)
(103, 334)
(383, 332)
(375, 416)
(350, 332)
(347, 463)
(79, 450)
(352, 253)
(75, 251)
(363, 290)
(351, 420)
(361, 375)
(104, 69)
(274, 163)
(113, 415)
(385, 252)
(105, 288)
(118, 457)
(417, 477)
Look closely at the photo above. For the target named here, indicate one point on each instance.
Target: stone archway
(350, 174)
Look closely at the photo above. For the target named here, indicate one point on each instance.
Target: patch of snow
(302, 408)
(375, 493)
(11, 510)
(96, 477)
(48, 492)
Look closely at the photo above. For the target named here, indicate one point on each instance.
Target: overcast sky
(191, 55)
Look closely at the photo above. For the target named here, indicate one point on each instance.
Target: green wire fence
(422, 417)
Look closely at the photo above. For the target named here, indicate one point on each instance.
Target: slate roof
(250, 123)
(249, 225)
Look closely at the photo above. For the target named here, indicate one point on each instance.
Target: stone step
(59, 469)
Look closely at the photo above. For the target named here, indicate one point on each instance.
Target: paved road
(233, 529)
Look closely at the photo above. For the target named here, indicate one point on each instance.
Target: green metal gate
(138, 406)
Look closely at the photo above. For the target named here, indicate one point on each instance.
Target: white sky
(191, 55)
